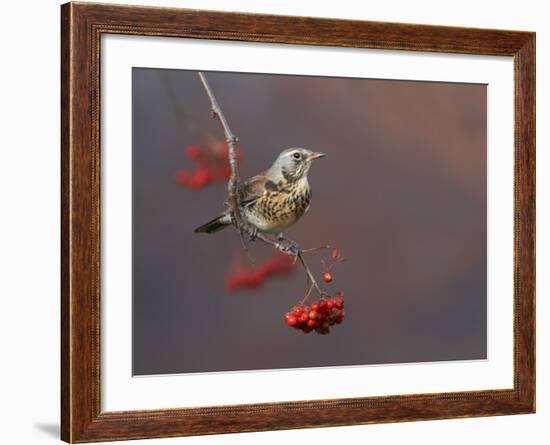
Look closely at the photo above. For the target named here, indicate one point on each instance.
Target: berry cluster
(319, 316)
(212, 165)
(254, 277)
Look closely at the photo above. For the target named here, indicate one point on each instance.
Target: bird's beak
(314, 156)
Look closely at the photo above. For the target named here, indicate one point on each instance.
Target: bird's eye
(297, 155)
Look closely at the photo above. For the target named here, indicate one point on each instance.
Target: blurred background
(401, 193)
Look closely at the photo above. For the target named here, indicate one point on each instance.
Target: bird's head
(294, 163)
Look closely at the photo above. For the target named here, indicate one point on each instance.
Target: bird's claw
(288, 246)
(252, 233)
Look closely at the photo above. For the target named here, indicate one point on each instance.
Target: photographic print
(361, 231)
(303, 222)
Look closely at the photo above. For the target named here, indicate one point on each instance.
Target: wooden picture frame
(82, 25)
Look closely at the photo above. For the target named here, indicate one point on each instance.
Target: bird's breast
(278, 209)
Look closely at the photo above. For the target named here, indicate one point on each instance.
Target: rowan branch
(231, 139)
(287, 247)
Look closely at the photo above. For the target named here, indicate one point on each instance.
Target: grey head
(293, 164)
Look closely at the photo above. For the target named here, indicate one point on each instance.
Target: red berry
(303, 317)
(203, 174)
(335, 254)
(327, 277)
(192, 151)
(195, 184)
(291, 320)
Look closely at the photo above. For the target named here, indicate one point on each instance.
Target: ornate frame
(82, 25)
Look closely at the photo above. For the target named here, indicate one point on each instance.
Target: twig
(315, 249)
(233, 183)
(311, 277)
(231, 140)
(286, 246)
(309, 288)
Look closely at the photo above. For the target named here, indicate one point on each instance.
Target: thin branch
(315, 249)
(233, 183)
(287, 247)
(231, 140)
(309, 288)
(311, 277)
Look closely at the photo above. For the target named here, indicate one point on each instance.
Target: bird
(275, 199)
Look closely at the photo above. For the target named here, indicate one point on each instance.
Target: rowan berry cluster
(255, 277)
(212, 165)
(318, 316)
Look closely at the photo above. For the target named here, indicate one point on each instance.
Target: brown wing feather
(255, 188)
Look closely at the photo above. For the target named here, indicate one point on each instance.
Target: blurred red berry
(192, 152)
(327, 277)
(212, 165)
(279, 264)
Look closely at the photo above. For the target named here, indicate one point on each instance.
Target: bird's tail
(217, 224)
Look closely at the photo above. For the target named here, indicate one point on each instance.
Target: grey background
(402, 193)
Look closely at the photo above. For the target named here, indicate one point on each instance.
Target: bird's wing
(254, 188)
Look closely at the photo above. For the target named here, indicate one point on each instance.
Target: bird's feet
(252, 233)
(288, 246)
